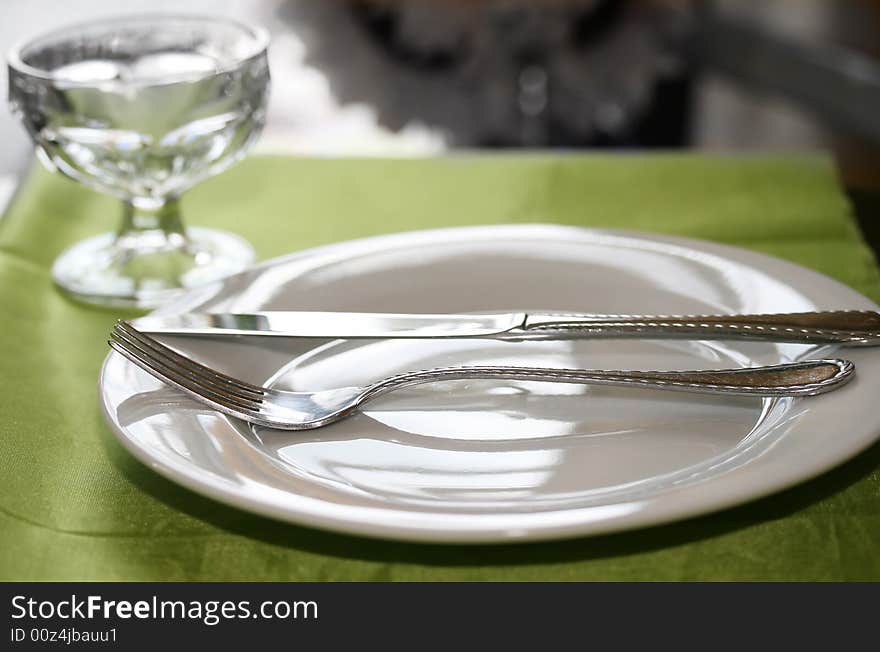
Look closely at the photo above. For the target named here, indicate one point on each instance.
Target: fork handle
(796, 379)
(855, 327)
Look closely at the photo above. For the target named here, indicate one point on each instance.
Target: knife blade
(345, 325)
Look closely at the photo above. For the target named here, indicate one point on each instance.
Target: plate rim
(671, 506)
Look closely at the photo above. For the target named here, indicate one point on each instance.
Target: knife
(853, 327)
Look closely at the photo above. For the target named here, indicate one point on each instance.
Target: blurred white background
(305, 117)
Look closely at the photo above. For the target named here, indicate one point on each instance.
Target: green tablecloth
(74, 505)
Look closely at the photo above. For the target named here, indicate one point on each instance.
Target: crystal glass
(143, 108)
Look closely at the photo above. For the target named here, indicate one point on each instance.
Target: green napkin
(75, 506)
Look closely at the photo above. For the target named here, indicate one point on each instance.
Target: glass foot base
(105, 271)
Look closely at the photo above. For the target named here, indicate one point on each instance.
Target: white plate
(498, 461)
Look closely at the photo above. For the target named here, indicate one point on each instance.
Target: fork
(287, 410)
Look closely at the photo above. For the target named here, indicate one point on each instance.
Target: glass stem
(150, 222)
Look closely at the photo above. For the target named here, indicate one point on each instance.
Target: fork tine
(218, 403)
(189, 383)
(172, 365)
(146, 342)
(146, 357)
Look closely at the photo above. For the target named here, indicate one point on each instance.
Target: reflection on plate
(501, 460)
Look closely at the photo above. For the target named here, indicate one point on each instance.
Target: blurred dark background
(418, 77)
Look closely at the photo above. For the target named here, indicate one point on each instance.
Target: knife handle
(853, 327)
